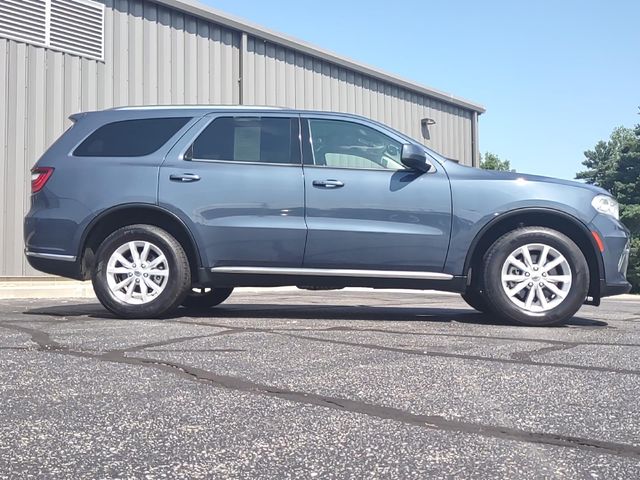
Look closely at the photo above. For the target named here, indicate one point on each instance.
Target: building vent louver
(74, 26)
(77, 27)
(24, 20)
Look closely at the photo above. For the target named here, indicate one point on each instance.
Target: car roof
(204, 109)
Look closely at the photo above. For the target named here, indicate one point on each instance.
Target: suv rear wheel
(535, 276)
(141, 272)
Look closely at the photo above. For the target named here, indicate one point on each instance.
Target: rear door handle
(328, 183)
(184, 177)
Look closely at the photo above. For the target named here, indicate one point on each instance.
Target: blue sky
(555, 76)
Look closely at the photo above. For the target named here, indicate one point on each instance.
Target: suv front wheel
(535, 276)
(141, 272)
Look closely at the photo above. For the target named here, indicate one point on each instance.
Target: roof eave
(235, 23)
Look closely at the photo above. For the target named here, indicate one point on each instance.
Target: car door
(364, 209)
(236, 180)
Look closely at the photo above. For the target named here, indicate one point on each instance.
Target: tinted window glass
(251, 139)
(343, 144)
(130, 138)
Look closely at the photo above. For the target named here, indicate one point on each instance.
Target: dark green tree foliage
(615, 166)
(491, 161)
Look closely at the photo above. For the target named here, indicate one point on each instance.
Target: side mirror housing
(413, 157)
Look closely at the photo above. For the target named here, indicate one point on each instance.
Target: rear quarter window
(130, 138)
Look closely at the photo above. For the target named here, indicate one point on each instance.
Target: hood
(510, 176)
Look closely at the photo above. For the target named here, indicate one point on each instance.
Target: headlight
(606, 204)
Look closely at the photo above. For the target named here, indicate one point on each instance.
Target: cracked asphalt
(297, 384)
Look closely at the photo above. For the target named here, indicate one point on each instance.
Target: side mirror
(413, 157)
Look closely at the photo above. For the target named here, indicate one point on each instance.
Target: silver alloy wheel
(137, 272)
(536, 277)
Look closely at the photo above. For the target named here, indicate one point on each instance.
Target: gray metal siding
(155, 54)
(279, 76)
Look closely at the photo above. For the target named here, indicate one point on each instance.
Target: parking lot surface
(297, 384)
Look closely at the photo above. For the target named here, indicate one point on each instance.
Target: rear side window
(130, 138)
(249, 139)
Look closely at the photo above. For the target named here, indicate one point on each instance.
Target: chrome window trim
(240, 162)
(387, 170)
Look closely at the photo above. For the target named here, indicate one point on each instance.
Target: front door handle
(328, 183)
(184, 177)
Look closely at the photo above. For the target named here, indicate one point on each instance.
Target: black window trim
(187, 155)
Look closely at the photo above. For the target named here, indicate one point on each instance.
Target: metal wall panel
(153, 55)
(156, 54)
(280, 76)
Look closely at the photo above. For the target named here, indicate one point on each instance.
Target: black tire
(178, 282)
(206, 298)
(475, 299)
(495, 295)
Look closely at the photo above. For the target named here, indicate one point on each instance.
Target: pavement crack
(435, 422)
(528, 355)
(478, 337)
(428, 353)
(42, 339)
(199, 350)
(343, 328)
(170, 341)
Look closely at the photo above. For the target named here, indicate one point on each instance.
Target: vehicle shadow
(308, 312)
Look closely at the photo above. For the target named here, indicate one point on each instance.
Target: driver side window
(342, 144)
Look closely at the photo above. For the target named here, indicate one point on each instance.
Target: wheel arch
(540, 217)
(130, 214)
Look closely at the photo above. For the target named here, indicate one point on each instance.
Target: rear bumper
(609, 289)
(55, 264)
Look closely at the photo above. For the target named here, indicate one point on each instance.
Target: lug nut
(137, 280)
(527, 274)
(146, 274)
(131, 274)
(535, 268)
(143, 266)
(531, 284)
(544, 274)
(133, 265)
(541, 284)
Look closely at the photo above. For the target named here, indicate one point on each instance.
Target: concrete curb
(50, 288)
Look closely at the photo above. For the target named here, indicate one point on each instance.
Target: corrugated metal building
(59, 57)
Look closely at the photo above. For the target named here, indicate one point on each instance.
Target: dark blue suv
(169, 206)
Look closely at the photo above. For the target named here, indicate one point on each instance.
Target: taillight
(39, 177)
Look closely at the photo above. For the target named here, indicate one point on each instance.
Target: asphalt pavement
(298, 384)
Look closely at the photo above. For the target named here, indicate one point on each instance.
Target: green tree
(602, 161)
(491, 161)
(615, 166)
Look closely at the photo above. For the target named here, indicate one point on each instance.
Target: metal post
(244, 47)
(475, 149)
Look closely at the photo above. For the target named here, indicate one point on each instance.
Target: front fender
(479, 204)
